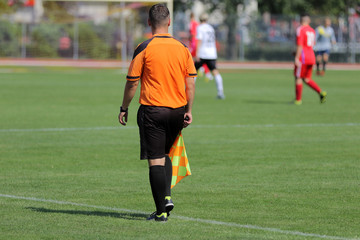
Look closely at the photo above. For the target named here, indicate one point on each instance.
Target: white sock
(219, 84)
(209, 76)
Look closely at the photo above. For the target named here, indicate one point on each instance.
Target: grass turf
(256, 159)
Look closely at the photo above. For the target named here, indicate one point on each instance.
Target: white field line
(228, 224)
(192, 126)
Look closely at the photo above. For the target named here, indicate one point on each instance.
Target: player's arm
(190, 93)
(297, 55)
(198, 44)
(129, 93)
(333, 39)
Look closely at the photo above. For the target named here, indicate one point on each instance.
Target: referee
(165, 68)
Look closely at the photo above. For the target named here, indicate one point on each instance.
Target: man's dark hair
(304, 14)
(159, 15)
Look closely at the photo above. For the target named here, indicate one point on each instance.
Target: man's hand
(187, 119)
(297, 62)
(123, 117)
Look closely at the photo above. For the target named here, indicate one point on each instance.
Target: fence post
(123, 36)
(23, 40)
(76, 35)
(352, 40)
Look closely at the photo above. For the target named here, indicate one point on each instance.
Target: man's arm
(297, 55)
(129, 93)
(198, 44)
(190, 93)
(333, 39)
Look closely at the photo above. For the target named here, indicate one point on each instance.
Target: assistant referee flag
(180, 162)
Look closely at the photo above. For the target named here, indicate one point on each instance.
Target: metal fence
(83, 36)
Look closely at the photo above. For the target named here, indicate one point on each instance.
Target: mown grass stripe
(228, 224)
(192, 126)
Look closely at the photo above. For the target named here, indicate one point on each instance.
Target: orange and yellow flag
(180, 162)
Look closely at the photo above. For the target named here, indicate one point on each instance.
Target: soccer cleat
(323, 95)
(318, 72)
(322, 73)
(220, 96)
(298, 102)
(162, 217)
(169, 205)
(159, 218)
(152, 216)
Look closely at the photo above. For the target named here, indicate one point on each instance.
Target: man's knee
(156, 161)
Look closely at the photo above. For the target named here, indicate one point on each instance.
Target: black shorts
(158, 128)
(211, 63)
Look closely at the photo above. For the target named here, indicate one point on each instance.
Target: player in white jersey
(206, 52)
(325, 37)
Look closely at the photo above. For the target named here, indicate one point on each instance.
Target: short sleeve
(136, 66)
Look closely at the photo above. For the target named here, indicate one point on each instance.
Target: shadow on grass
(127, 216)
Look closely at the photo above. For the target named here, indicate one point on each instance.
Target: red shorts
(304, 71)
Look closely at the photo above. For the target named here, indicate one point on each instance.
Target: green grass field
(262, 168)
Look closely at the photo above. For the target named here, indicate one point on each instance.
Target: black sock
(168, 170)
(324, 66)
(157, 178)
(317, 66)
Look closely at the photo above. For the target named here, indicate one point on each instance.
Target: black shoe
(159, 218)
(152, 216)
(169, 205)
(162, 217)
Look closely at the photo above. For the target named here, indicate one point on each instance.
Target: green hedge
(9, 39)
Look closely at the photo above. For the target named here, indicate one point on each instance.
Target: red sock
(298, 91)
(313, 85)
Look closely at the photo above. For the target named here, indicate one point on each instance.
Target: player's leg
(306, 75)
(325, 61)
(208, 75)
(198, 65)
(318, 61)
(218, 78)
(298, 85)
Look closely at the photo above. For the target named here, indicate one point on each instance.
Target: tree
(313, 7)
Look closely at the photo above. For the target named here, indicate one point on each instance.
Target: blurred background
(247, 30)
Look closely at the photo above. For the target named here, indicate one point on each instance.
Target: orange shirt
(162, 63)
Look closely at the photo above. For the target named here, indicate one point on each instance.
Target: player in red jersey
(305, 59)
(193, 43)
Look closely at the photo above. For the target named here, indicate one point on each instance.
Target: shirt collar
(162, 35)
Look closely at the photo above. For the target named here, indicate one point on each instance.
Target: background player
(325, 37)
(305, 59)
(192, 46)
(206, 52)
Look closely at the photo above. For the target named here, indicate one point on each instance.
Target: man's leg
(208, 74)
(169, 205)
(157, 176)
(298, 90)
(325, 61)
(219, 84)
(298, 84)
(168, 170)
(311, 83)
(318, 61)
